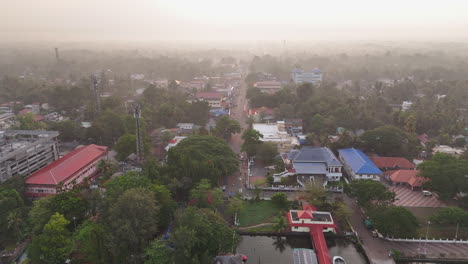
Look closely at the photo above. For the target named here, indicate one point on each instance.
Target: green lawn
(255, 213)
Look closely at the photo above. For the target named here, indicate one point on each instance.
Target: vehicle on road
(338, 260)
(368, 224)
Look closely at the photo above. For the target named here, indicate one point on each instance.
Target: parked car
(427, 193)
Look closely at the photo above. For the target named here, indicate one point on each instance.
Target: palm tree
(280, 223)
(15, 223)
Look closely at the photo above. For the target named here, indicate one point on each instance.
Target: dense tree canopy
(200, 235)
(133, 221)
(226, 126)
(201, 157)
(450, 216)
(394, 221)
(54, 244)
(389, 141)
(251, 142)
(447, 174)
(370, 193)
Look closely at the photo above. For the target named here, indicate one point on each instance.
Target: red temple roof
(304, 215)
(67, 166)
(392, 162)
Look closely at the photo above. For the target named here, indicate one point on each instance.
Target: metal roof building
(358, 165)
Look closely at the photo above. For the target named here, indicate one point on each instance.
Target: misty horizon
(222, 21)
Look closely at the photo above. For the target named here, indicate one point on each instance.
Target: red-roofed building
(69, 170)
(408, 177)
(423, 138)
(262, 113)
(392, 163)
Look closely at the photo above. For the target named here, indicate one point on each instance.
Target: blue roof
(358, 161)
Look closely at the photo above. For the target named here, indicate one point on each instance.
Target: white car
(427, 193)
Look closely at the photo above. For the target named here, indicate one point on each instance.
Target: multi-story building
(269, 87)
(315, 162)
(276, 133)
(300, 76)
(213, 99)
(66, 172)
(23, 152)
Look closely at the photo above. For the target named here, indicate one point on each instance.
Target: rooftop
(408, 176)
(63, 168)
(13, 142)
(209, 95)
(314, 154)
(358, 161)
(304, 256)
(392, 162)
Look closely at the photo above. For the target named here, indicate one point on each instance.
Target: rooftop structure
(269, 87)
(262, 113)
(447, 150)
(406, 105)
(408, 177)
(65, 172)
(358, 165)
(300, 76)
(23, 152)
(213, 99)
(315, 222)
(315, 161)
(392, 163)
(277, 134)
(304, 256)
(174, 142)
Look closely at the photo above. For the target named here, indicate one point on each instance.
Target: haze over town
(221, 132)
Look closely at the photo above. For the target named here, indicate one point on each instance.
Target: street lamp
(427, 233)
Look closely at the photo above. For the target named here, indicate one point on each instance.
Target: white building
(300, 76)
(406, 105)
(277, 134)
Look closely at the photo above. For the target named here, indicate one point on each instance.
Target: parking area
(408, 198)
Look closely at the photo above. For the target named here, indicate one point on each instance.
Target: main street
(236, 181)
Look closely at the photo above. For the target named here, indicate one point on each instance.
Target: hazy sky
(59, 20)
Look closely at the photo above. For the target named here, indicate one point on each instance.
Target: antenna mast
(97, 93)
(139, 141)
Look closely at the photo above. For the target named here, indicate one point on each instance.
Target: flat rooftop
(13, 142)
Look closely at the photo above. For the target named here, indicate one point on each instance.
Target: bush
(280, 200)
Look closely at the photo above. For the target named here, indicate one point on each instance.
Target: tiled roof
(392, 162)
(63, 168)
(304, 215)
(358, 161)
(407, 176)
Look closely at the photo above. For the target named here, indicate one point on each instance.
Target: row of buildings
(270, 85)
(35, 155)
(321, 165)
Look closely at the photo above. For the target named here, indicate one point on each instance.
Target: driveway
(376, 249)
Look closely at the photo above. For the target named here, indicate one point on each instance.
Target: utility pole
(139, 141)
(97, 93)
(57, 56)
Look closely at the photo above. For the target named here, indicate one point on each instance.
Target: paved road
(237, 181)
(376, 249)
